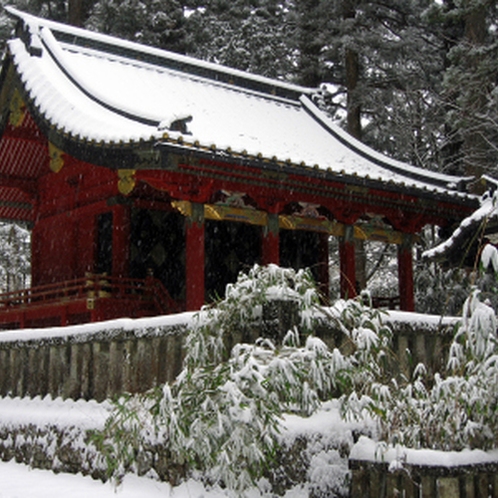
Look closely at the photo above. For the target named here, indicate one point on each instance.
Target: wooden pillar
(120, 241)
(347, 263)
(405, 275)
(323, 269)
(270, 252)
(195, 258)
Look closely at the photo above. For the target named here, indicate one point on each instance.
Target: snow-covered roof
(472, 230)
(96, 88)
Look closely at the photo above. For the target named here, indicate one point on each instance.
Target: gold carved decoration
(126, 181)
(17, 109)
(290, 222)
(367, 231)
(56, 157)
(243, 215)
(362, 231)
(224, 213)
(183, 207)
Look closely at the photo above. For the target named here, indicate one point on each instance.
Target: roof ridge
(55, 52)
(81, 37)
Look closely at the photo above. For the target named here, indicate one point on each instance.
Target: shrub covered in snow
(221, 418)
(456, 409)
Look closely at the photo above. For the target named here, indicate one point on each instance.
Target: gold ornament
(126, 181)
(56, 157)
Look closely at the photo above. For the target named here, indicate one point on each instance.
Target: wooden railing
(390, 303)
(92, 287)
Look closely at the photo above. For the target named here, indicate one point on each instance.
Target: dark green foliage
(159, 23)
(470, 86)
(252, 35)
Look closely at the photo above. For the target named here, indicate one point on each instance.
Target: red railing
(390, 303)
(92, 287)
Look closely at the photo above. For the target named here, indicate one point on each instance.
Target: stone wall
(374, 480)
(98, 361)
(416, 339)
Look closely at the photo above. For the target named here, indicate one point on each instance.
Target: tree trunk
(353, 126)
(475, 145)
(352, 68)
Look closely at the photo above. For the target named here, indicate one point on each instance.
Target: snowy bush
(454, 409)
(440, 291)
(222, 416)
(457, 408)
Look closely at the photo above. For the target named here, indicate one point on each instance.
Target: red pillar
(120, 241)
(195, 235)
(270, 251)
(405, 275)
(347, 263)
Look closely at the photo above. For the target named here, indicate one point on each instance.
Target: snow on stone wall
(380, 472)
(100, 360)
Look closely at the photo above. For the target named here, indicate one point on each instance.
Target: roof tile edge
(414, 172)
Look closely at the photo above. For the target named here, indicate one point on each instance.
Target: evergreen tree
(159, 23)
(470, 85)
(384, 65)
(250, 35)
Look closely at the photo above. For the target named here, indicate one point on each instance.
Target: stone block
(360, 483)
(494, 485)
(72, 385)
(54, 371)
(32, 381)
(116, 360)
(467, 487)
(143, 361)
(427, 486)
(100, 370)
(86, 371)
(482, 485)
(448, 487)
(4, 372)
(130, 370)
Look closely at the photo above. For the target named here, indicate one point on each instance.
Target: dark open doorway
(301, 249)
(157, 246)
(230, 248)
(103, 259)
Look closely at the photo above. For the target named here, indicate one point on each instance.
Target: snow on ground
(325, 429)
(19, 481)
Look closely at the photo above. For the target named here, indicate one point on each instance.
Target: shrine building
(150, 179)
